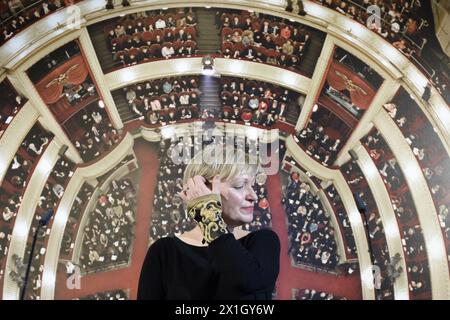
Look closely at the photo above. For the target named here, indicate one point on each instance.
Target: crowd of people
(108, 295)
(76, 211)
(15, 182)
(254, 102)
(372, 221)
(78, 208)
(145, 36)
(165, 100)
(109, 233)
(251, 36)
(311, 235)
(312, 294)
(429, 152)
(168, 100)
(318, 144)
(77, 93)
(19, 14)
(343, 220)
(402, 23)
(48, 200)
(262, 216)
(168, 216)
(10, 104)
(93, 133)
(399, 24)
(402, 203)
(9, 205)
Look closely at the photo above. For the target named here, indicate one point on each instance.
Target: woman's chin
(247, 217)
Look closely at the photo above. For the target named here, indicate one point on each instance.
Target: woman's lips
(248, 209)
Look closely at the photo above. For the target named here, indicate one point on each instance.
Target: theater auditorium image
(337, 113)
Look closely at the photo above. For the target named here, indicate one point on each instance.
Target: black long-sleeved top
(246, 268)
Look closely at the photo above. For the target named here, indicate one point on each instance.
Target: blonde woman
(216, 259)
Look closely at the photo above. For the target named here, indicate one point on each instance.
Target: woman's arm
(248, 269)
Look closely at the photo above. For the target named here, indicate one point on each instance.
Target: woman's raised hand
(196, 187)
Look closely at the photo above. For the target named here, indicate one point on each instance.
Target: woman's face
(238, 198)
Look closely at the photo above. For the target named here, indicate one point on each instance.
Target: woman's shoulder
(162, 243)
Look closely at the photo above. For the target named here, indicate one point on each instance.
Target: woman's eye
(238, 187)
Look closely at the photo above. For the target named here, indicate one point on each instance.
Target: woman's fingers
(190, 186)
(182, 195)
(196, 187)
(216, 185)
(199, 182)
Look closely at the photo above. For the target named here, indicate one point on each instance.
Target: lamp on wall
(63, 150)
(208, 65)
(353, 155)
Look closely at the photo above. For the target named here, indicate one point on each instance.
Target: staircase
(126, 114)
(99, 41)
(208, 40)
(210, 97)
(309, 60)
(293, 112)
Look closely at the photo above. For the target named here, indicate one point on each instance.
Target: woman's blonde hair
(222, 160)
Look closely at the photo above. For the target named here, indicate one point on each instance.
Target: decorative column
(326, 56)
(99, 77)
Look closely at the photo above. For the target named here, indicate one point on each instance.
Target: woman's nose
(251, 195)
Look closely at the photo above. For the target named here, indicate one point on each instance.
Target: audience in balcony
(10, 204)
(392, 176)
(109, 233)
(108, 295)
(136, 39)
(94, 134)
(400, 22)
(312, 239)
(164, 101)
(259, 38)
(318, 144)
(426, 146)
(418, 277)
(51, 194)
(311, 294)
(168, 216)
(17, 14)
(372, 220)
(10, 104)
(403, 24)
(77, 93)
(76, 211)
(254, 102)
(343, 219)
(262, 216)
(20, 170)
(402, 203)
(36, 141)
